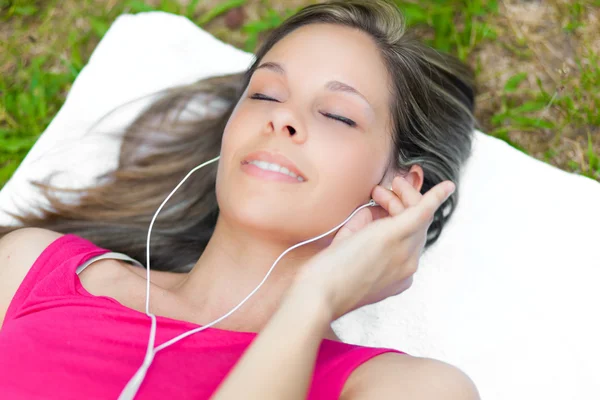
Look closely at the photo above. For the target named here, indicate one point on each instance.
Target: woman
(350, 105)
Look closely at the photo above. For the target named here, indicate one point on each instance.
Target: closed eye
(260, 96)
(344, 120)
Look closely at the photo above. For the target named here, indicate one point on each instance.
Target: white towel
(508, 293)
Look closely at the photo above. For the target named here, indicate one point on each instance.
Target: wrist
(307, 303)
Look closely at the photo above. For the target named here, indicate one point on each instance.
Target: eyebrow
(334, 86)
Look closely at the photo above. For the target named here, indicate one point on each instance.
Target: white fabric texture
(508, 293)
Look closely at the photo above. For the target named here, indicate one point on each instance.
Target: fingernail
(451, 187)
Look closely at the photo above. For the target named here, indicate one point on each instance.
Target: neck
(232, 265)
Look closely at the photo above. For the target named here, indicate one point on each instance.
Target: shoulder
(34, 237)
(20, 248)
(18, 251)
(395, 376)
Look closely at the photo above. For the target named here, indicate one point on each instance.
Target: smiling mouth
(274, 168)
(274, 161)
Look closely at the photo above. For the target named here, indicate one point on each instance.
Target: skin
(342, 165)
(309, 287)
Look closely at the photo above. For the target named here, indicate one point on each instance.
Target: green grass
(576, 103)
(458, 26)
(44, 45)
(36, 87)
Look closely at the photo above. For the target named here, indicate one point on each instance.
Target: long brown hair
(433, 124)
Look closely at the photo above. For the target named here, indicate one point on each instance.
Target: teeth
(276, 168)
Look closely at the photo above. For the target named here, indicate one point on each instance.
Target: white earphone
(136, 380)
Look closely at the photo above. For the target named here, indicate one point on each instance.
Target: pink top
(59, 341)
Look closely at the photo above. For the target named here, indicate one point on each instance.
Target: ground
(536, 62)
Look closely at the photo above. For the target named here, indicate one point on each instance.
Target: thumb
(342, 234)
(356, 223)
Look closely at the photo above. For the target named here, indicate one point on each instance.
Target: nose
(284, 121)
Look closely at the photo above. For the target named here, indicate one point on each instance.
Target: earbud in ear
(387, 183)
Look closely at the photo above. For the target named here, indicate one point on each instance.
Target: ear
(414, 176)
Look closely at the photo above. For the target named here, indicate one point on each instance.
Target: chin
(255, 212)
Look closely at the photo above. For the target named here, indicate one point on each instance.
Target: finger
(421, 215)
(388, 200)
(433, 199)
(406, 192)
(378, 212)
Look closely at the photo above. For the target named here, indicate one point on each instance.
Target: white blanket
(509, 292)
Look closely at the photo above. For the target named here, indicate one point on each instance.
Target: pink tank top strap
(335, 372)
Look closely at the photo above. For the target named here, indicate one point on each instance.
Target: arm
(280, 362)
(368, 266)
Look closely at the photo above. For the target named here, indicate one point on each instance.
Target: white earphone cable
(136, 380)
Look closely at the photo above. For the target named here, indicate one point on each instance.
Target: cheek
(232, 144)
(233, 122)
(349, 172)
(238, 129)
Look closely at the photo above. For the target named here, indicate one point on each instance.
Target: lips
(274, 158)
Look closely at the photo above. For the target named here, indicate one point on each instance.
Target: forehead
(318, 53)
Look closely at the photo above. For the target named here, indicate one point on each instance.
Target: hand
(375, 255)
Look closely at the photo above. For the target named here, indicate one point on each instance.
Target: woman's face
(320, 98)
